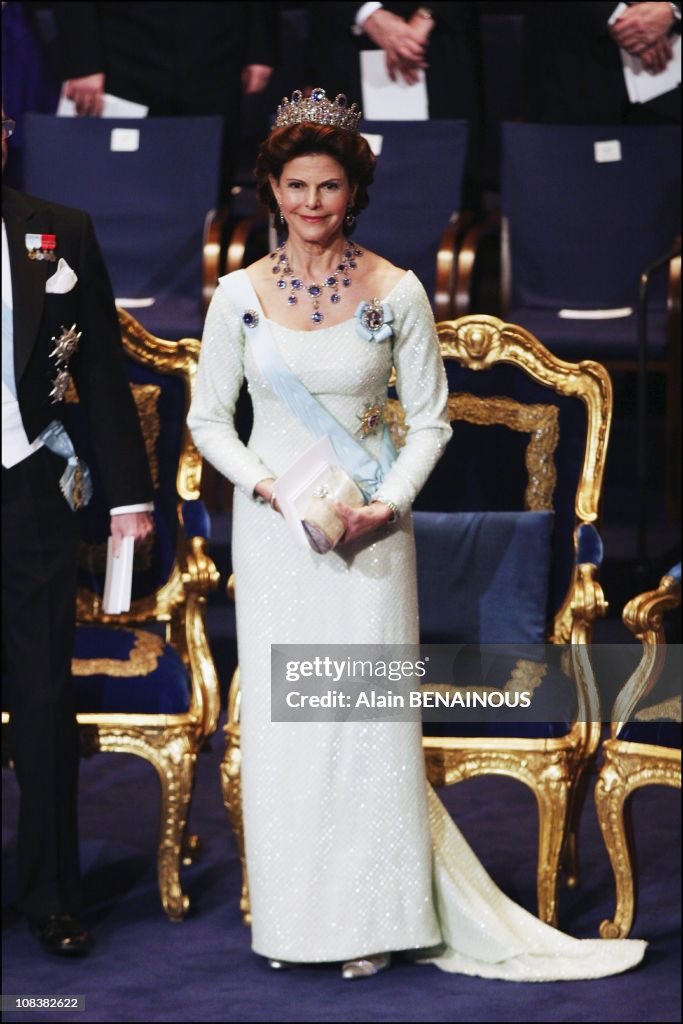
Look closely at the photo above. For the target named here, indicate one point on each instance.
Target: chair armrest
(239, 240)
(212, 244)
(643, 617)
(468, 254)
(588, 600)
(199, 573)
(673, 299)
(446, 264)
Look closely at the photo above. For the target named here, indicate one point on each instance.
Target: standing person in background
(572, 68)
(58, 320)
(176, 58)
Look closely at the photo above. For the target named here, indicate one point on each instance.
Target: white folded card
(118, 580)
(595, 314)
(113, 106)
(387, 100)
(294, 481)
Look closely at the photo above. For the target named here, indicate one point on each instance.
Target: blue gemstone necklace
(341, 275)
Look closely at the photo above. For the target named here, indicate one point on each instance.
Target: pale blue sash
(367, 471)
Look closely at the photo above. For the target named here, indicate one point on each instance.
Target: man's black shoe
(61, 934)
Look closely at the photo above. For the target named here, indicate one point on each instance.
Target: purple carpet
(144, 968)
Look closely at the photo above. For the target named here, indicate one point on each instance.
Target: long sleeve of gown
(423, 391)
(219, 379)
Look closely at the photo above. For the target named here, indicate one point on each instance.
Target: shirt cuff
(364, 12)
(124, 510)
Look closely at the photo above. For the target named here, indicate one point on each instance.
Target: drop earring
(350, 218)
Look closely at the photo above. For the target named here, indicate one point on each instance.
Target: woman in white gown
(350, 853)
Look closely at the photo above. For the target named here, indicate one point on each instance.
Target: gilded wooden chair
(644, 748)
(530, 433)
(482, 355)
(145, 681)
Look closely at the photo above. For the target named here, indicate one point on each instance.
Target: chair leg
(176, 768)
(614, 815)
(231, 785)
(553, 798)
(577, 800)
(173, 752)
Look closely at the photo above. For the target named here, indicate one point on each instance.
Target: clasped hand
(360, 521)
(404, 43)
(642, 31)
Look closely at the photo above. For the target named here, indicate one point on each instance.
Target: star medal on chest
(41, 246)
(370, 419)
(287, 279)
(65, 346)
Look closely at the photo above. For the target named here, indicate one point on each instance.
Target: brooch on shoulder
(373, 320)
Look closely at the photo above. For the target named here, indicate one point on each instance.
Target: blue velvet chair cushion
(589, 547)
(483, 576)
(129, 671)
(483, 579)
(484, 468)
(196, 519)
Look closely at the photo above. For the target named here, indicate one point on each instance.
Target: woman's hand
(366, 519)
(264, 489)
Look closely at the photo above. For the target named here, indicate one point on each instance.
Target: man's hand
(403, 43)
(360, 521)
(642, 25)
(255, 78)
(656, 57)
(130, 524)
(87, 93)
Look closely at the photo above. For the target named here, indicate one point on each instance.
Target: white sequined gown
(349, 852)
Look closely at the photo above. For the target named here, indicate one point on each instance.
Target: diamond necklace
(315, 290)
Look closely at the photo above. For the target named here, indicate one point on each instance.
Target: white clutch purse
(322, 524)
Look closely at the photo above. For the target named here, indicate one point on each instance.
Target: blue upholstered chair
(145, 681)
(644, 747)
(508, 554)
(584, 211)
(152, 201)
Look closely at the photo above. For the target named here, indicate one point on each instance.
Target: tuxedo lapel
(28, 276)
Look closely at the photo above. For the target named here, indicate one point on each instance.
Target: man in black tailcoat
(59, 321)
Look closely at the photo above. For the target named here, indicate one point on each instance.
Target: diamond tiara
(317, 109)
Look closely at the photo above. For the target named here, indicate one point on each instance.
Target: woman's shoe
(366, 966)
(279, 965)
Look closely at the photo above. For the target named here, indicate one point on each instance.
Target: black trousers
(40, 535)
